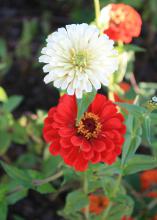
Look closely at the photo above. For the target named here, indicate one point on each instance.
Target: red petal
(96, 158)
(65, 142)
(76, 140)
(51, 111)
(98, 145)
(113, 123)
(86, 145)
(72, 156)
(80, 164)
(88, 155)
(108, 112)
(66, 132)
(98, 103)
(54, 149)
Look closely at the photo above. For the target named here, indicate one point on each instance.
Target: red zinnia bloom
(98, 137)
(148, 179)
(97, 203)
(125, 87)
(124, 23)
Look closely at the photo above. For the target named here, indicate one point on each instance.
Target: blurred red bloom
(148, 179)
(125, 87)
(98, 137)
(154, 218)
(127, 218)
(124, 23)
(97, 203)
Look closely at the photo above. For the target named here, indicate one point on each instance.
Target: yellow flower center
(79, 59)
(118, 16)
(89, 126)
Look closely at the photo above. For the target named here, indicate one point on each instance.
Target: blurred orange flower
(97, 203)
(148, 179)
(154, 218)
(124, 22)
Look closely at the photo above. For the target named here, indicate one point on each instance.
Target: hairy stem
(85, 189)
(48, 179)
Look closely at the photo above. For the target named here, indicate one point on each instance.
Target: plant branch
(48, 179)
(97, 11)
(85, 189)
(37, 182)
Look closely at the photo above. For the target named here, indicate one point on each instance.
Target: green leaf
(46, 188)
(21, 176)
(147, 129)
(104, 169)
(133, 109)
(12, 198)
(3, 95)
(3, 47)
(123, 206)
(50, 165)
(139, 163)
(19, 134)
(12, 103)
(5, 141)
(16, 217)
(75, 201)
(134, 48)
(108, 183)
(3, 191)
(132, 138)
(28, 160)
(82, 104)
(3, 210)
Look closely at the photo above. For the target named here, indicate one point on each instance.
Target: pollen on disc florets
(79, 59)
(89, 126)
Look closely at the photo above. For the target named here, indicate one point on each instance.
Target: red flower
(148, 179)
(98, 137)
(97, 203)
(127, 218)
(154, 218)
(125, 87)
(124, 24)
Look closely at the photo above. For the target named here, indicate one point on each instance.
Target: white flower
(78, 58)
(105, 16)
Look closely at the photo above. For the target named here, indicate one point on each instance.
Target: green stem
(107, 211)
(111, 95)
(48, 179)
(38, 182)
(97, 11)
(118, 182)
(85, 189)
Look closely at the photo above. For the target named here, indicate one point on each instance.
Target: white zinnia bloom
(78, 58)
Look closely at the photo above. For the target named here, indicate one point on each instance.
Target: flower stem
(107, 210)
(106, 213)
(97, 11)
(117, 185)
(85, 189)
